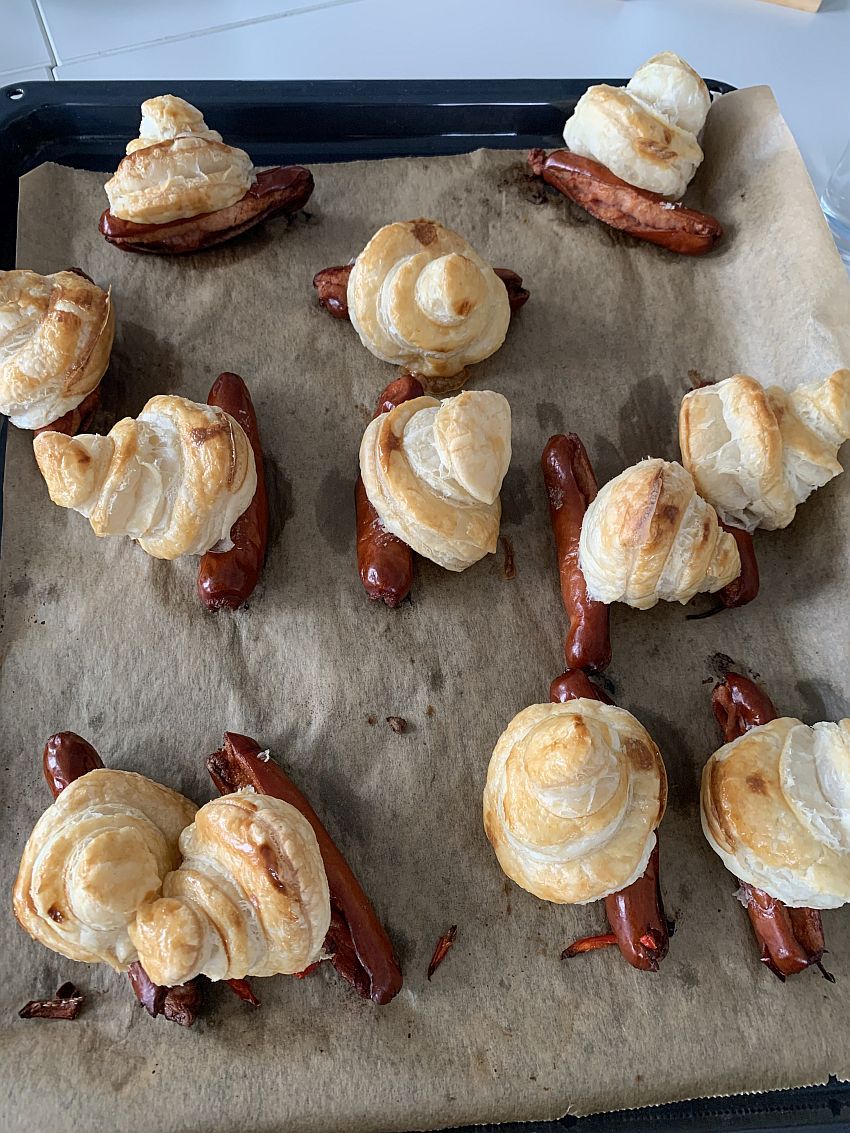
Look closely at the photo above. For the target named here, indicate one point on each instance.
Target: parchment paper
(99, 638)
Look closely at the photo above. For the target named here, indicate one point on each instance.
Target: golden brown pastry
(177, 167)
(756, 453)
(421, 297)
(433, 471)
(645, 133)
(574, 794)
(98, 853)
(775, 806)
(176, 479)
(649, 536)
(56, 335)
(251, 897)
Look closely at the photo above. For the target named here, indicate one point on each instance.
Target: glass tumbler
(835, 203)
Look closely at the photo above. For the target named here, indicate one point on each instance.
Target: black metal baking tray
(87, 125)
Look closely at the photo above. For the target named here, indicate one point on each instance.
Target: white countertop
(804, 57)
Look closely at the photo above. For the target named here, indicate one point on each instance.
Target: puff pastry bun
(176, 479)
(56, 335)
(574, 793)
(98, 853)
(649, 536)
(645, 133)
(250, 898)
(775, 806)
(420, 296)
(433, 471)
(177, 167)
(756, 453)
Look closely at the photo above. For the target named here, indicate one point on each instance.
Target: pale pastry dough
(177, 167)
(250, 898)
(645, 133)
(420, 296)
(756, 453)
(176, 479)
(775, 806)
(56, 335)
(433, 471)
(649, 536)
(99, 852)
(574, 793)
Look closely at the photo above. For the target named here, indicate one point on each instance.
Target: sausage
(67, 757)
(76, 420)
(385, 562)
(361, 950)
(645, 215)
(635, 914)
(228, 578)
(331, 286)
(284, 189)
(745, 587)
(791, 939)
(571, 488)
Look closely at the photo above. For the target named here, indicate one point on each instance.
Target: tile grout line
(47, 37)
(199, 33)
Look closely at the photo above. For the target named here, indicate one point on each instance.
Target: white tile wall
(29, 75)
(22, 41)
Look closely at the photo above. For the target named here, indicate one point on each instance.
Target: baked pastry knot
(98, 853)
(649, 536)
(56, 335)
(775, 806)
(176, 479)
(250, 898)
(574, 793)
(420, 296)
(177, 167)
(645, 133)
(433, 471)
(756, 453)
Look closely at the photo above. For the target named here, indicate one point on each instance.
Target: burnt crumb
(371, 721)
(509, 564)
(720, 664)
(697, 381)
(65, 1005)
(429, 711)
(398, 724)
(424, 231)
(444, 945)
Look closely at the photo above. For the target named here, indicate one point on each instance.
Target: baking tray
(86, 125)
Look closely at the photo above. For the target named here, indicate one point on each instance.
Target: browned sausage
(745, 587)
(791, 939)
(571, 488)
(648, 216)
(636, 913)
(332, 289)
(76, 419)
(385, 562)
(67, 757)
(362, 952)
(284, 189)
(228, 578)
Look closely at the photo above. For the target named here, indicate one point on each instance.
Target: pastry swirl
(433, 471)
(177, 167)
(649, 536)
(645, 133)
(574, 794)
(250, 898)
(420, 296)
(775, 806)
(99, 852)
(56, 334)
(756, 453)
(176, 479)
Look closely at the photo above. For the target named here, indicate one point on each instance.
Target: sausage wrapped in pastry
(176, 479)
(756, 453)
(645, 133)
(649, 536)
(775, 807)
(574, 794)
(433, 471)
(420, 296)
(56, 335)
(250, 898)
(94, 857)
